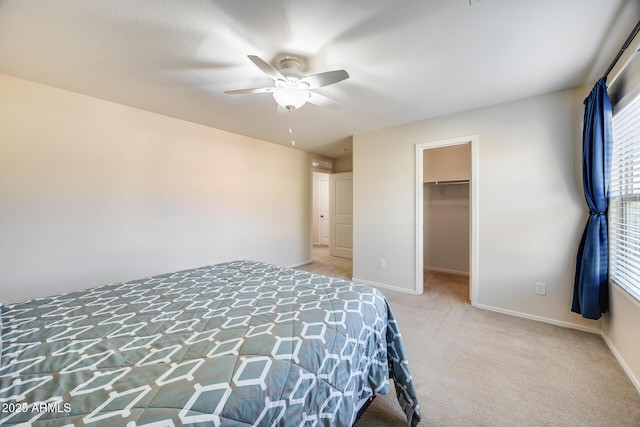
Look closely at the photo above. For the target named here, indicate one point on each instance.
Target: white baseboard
(301, 263)
(384, 286)
(444, 270)
(540, 319)
(625, 367)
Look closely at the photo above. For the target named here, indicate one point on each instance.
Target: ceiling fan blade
(256, 90)
(266, 67)
(325, 79)
(323, 101)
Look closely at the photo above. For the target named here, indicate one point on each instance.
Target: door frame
(473, 214)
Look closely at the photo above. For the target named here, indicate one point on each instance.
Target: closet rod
(446, 182)
(626, 44)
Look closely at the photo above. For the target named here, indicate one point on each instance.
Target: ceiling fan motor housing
(291, 68)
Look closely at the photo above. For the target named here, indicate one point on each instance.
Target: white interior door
(323, 202)
(341, 214)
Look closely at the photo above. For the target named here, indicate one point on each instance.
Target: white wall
(93, 192)
(531, 210)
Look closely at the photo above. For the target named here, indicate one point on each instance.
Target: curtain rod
(626, 44)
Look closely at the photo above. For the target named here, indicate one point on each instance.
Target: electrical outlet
(541, 288)
(381, 263)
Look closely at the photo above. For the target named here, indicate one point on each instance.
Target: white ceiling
(409, 60)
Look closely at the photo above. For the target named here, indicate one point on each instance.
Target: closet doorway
(446, 200)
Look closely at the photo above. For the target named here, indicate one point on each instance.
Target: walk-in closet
(446, 208)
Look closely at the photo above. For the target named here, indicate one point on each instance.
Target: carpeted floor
(474, 367)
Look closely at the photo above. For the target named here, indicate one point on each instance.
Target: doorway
(332, 211)
(324, 261)
(436, 188)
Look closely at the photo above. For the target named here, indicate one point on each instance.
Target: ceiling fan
(292, 89)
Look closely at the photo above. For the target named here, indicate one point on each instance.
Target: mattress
(234, 344)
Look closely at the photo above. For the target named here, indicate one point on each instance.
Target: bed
(233, 344)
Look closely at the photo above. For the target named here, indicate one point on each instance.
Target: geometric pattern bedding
(234, 344)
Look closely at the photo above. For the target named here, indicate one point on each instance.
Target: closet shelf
(451, 182)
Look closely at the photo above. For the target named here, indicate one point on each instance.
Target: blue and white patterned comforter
(234, 344)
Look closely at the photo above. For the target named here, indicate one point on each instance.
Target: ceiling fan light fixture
(290, 98)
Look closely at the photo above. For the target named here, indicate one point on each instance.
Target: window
(624, 198)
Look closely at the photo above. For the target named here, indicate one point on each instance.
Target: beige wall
(452, 163)
(343, 164)
(621, 331)
(446, 228)
(93, 192)
(531, 210)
